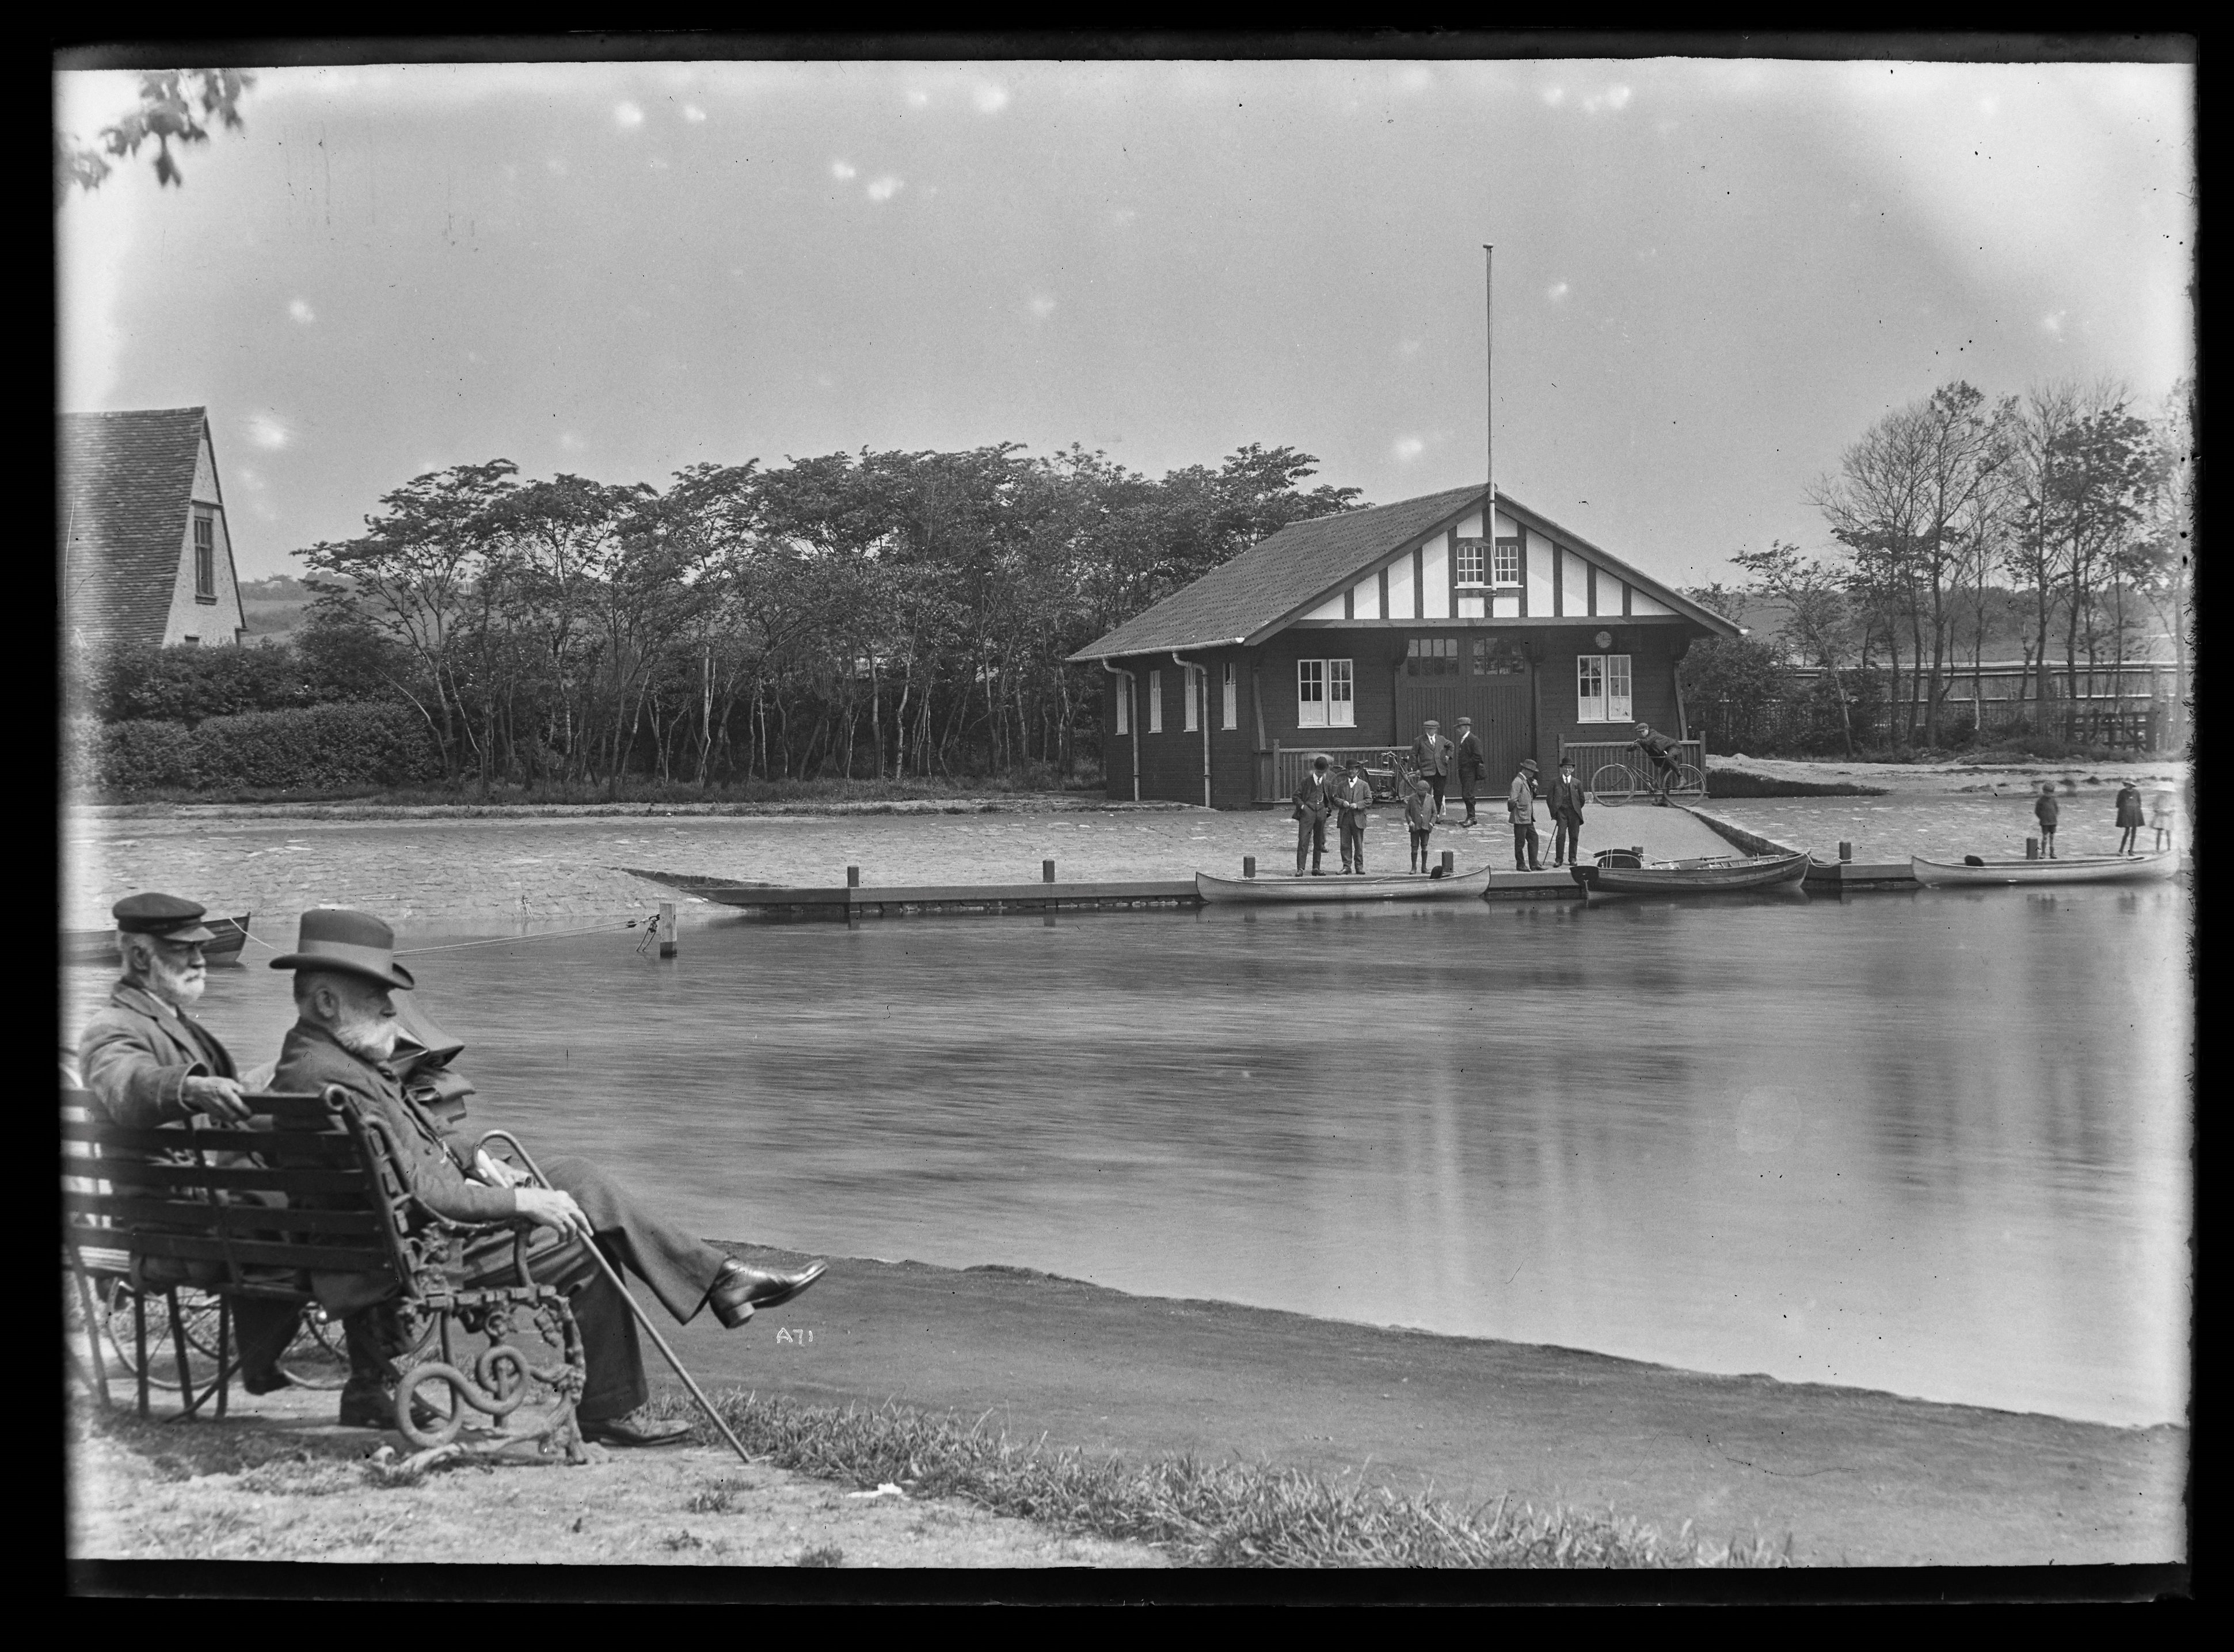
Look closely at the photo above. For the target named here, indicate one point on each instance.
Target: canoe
(2077, 869)
(95, 949)
(722, 891)
(1336, 887)
(1707, 875)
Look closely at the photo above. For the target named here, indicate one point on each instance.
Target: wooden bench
(176, 1207)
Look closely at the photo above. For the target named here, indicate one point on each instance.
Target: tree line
(2066, 515)
(867, 614)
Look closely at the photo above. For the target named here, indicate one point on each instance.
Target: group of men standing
(1436, 760)
(150, 1065)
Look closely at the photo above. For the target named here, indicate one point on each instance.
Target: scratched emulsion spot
(1768, 1119)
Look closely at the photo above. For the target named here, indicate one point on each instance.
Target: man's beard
(372, 1037)
(177, 983)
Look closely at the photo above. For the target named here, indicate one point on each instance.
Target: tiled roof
(1278, 575)
(127, 481)
(1294, 569)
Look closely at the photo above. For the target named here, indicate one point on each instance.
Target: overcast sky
(1710, 277)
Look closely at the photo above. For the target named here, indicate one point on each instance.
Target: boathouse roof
(1283, 576)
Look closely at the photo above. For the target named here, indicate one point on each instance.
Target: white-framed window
(205, 557)
(1471, 565)
(1124, 705)
(1504, 566)
(1190, 700)
(1155, 703)
(1326, 694)
(1601, 688)
(1230, 711)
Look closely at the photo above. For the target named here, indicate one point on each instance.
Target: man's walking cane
(635, 1306)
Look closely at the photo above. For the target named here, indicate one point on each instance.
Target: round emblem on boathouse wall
(1604, 639)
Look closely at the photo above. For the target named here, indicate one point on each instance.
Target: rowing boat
(722, 891)
(1338, 887)
(2077, 869)
(1705, 875)
(97, 948)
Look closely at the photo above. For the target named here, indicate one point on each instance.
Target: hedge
(328, 748)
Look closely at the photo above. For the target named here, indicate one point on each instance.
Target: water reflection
(1938, 1147)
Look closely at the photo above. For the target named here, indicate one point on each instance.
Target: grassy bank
(1227, 1514)
(744, 794)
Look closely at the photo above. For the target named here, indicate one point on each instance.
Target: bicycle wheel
(1615, 783)
(198, 1312)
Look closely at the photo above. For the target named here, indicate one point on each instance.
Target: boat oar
(635, 1306)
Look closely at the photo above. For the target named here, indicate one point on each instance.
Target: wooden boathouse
(1346, 633)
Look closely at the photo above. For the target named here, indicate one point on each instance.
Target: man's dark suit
(1470, 765)
(135, 1056)
(679, 1268)
(1431, 756)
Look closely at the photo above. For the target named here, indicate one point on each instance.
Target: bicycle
(1618, 783)
(317, 1358)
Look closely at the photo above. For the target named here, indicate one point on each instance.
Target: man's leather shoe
(738, 1290)
(266, 1381)
(637, 1428)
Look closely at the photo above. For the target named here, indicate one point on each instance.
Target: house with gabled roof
(1346, 633)
(146, 553)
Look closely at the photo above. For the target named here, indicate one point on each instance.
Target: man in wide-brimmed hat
(346, 1031)
(149, 1065)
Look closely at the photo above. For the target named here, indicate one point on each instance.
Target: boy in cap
(345, 976)
(1520, 804)
(2046, 811)
(149, 1065)
(1420, 817)
(1353, 797)
(1471, 767)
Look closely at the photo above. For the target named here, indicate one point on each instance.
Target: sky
(1710, 278)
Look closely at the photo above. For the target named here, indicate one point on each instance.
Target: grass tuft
(1210, 1514)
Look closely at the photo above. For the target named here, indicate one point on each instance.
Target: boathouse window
(1472, 571)
(1498, 656)
(1229, 712)
(1602, 685)
(1125, 707)
(1155, 703)
(205, 555)
(1505, 567)
(1431, 656)
(1325, 694)
(1190, 700)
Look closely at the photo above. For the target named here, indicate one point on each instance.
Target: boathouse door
(1482, 677)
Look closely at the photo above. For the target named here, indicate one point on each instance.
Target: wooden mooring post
(666, 947)
(1845, 850)
(1248, 865)
(1046, 871)
(1450, 863)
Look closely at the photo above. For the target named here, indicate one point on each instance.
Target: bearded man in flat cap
(346, 1027)
(149, 1065)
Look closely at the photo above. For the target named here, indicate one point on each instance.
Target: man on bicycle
(1659, 750)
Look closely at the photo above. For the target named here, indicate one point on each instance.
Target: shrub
(348, 744)
(315, 749)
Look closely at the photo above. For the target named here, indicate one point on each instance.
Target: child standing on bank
(2129, 817)
(2045, 811)
(1420, 816)
(2160, 817)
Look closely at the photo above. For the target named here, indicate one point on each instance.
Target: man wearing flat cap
(346, 1032)
(1520, 804)
(150, 1065)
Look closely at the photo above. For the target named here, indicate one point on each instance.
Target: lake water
(1935, 1144)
